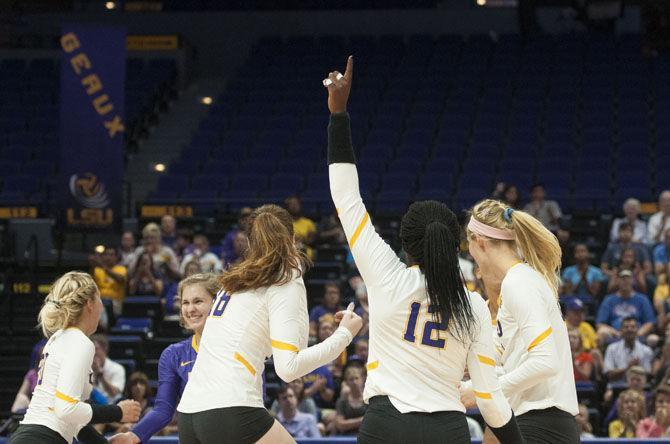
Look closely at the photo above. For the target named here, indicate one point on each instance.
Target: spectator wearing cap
(660, 221)
(631, 211)
(574, 319)
(658, 424)
(546, 211)
(582, 279)
(621, 305)
(229, 254)
(620, 356)
(612, 256)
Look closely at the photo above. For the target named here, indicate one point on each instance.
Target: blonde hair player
(514, 248)
(424, 325)
(261, 310)
(57, 411)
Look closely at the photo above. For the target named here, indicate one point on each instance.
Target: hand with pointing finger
(339, 86)
(350, 320)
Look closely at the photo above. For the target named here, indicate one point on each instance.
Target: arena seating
(552, 110)
(29, 121)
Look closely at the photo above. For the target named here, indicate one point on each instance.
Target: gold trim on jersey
(194, 344)
(65, 397)
(372, 365)
(483, 395)
(357, 233)
(284, 346)
(245, 363)
(486, 360)
(544, 335)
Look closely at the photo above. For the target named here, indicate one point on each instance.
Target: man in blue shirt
(622, 304)
(582, 279)
(330, 304)
(298, 424)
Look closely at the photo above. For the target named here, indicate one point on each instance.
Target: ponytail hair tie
(507, 214)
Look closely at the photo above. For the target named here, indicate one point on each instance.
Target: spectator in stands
(228, 254)
(632, 409)
(303, 227)
(585, 427)
(362, 307)
(467, 268)
(360, 351)
(574, 319)
(636, 379)
(168, 230)
(183, 244)
(510, 196)
(110, 276)
(661, 365)
(622, 305)
(660, 221)
(626, 353)
(320, 386)
(137, 389)
(546, 211)
(305, 403)
(567, 246)
(657, 425)
(109, 377)
(25, 393)
(582, 361)
(240, 244)
(331, 303)
(630, 263)
(661, 256)
(351, 407)
(297, 423)
(582, 279)
(209, 263)
(164, 260)
(145, 281)
(631, 211)
(128, 245)
(326, 328)
(614, 251)
(331, 231)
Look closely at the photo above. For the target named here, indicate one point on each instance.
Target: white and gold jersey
(413, 359)
(63, 384)
(533, 340)
(244, 329)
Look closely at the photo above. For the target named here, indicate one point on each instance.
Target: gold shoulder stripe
(65, 398)
(372, 365)
(245, 363)
(357, 233)
(284, 346)
(486, 360)
(483, 395)
(544, 335)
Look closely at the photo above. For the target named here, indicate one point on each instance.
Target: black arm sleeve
(340, 148)
(509, 433)
(104, 414)
(89, 435)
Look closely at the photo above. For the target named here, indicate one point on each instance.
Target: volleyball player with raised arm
(514, 248)
(261, 310)
(424, 326)
(196, 294)
(57, 411)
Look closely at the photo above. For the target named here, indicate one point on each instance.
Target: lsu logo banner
(93, 69)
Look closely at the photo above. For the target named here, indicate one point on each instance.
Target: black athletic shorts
(35, 433)
(548, 426)
(383, 423)
(230, 425)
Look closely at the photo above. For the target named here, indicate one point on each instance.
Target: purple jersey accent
(175, 363)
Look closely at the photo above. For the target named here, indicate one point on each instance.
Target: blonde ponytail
(537, 245)
(65, 302)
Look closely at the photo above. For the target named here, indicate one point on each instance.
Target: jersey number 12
(428, 328)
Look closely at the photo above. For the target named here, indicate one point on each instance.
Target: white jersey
(64, 382)
(535, 350)
(412, 359)
(241, 332)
